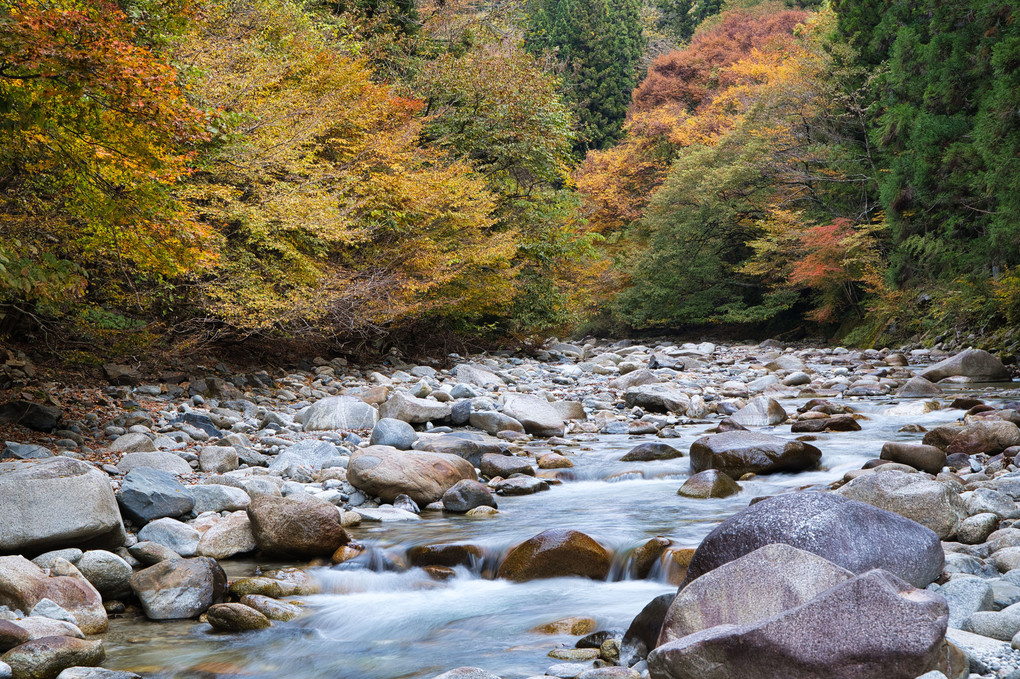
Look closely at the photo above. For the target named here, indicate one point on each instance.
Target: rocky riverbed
(825, 512)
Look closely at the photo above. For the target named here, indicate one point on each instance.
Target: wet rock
(519, 485)
(918, 387)
(505, 465)
(989, 437)
(929, 503)
(647, 452)
(236, 618)
(469, 449)
(228, 537)
(179, 589)
(659, 398)
(465, 495)
(45, 658)
(709, 483)
(761, 411)
(148, 494)
(394, 433)
(919, 456)
(271, 608)
(537, 415)
(31, 415)
(95, 673)
(450, 555)
(556, 553)
(974, 364)
(23, 585)
(291, 527)
(574, 654)
(609, 673)
(338, 412)
(401, 406)
(217, 498)
(875, 623)
(108, 573)
(854, 535)
(574, 626)
(172, 533)
(554, 461)
(56, 502)
(387, 472)
(740, 452)
(39, 627)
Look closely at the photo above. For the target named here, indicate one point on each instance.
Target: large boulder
(387, 472)
(179, 589)
(872, 626)
(338, 412)
(56, 502)
(919, 456)
(31, 415)
(660, 398)
(167, 462)
(229, 536)
(492, 422)
(760, 411)
(930, 503)
(740, 452)
(147, 494)
(771, 579)
(414, 410)
(851, 534)
(538, 416)
(24, 584)
(133, 442)
(47, 657)
(296, 528)
(990, 436)
(918, 387)
(556, 553)
(395, 433)
(976, 365)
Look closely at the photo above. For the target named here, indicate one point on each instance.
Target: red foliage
(691, 75)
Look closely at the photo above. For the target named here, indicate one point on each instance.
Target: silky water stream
(384, 624)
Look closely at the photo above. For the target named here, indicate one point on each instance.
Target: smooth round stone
(574, 654)
(393, 432)
(271, 608)
(709, 483)
(236, 618)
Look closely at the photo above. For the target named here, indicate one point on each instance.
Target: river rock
(56, 502)
(23, 585)
(467, 494)
(492, 422)
(151, 553)
(45, 658)
(338, 412)
(919, 456)
(401, 406)
(976, 365)
(494, 465)
(478, 376)
(740, 452)
(450, 556)
(218, 459)
(228, 537)
(929, 503)
(761, 411)
(167, 462)
(918, 387)
(991, 437)
(95, 673)
(236, 618)
(12, 635)
(296, 528)
(394, 433)
(32, 415)
(660, 398)
(556, 553)
(271, 608)
(180, 588)
(520, 484)
(709, 483)
(466, 673)
(635, 378)
(647, 452)
(108, 573)
(873, 626)
(966, 596)
(643, 633)
(147, 494)
(768, 581)
(387, 472)
(851, 534)
(302, 459)
(467, 448)
(133, 442)
(537, 415)
(218, 498)
(23, 451)
(172, 533)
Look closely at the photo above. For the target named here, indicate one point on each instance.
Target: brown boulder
(236, 618)
(23, 585)
(919, 456)
(989, 436)
(292, 527)
(556, 553)
(741, 452)
(387, 472)
(445, 555)
(47, 657)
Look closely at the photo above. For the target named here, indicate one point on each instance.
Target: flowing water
(384, 624)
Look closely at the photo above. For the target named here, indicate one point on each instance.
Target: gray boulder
(647, 452)
(919, 456)
(929, 503)
(761, 411)
(478, 376)
(338, 412)
(56, 502)
(739, 452)
(108, 573)
(538, 416)
(873, 626)
(976, 365)
(218, 459)
(636, 378)
(32, 415)
(23, 585)
(492, 422)
(180, 588)
(167, 462)
(133, 442)
(395, 433)
(229, 536)
(918, 387)
(171, 533)
(148, 494)
(465, 495)
(470, 449)
(854, 535)
(305, 457)
(401, 406)
(23, 451)
(217, 498)
(494, 464)
(966, 596)
(660, 398)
